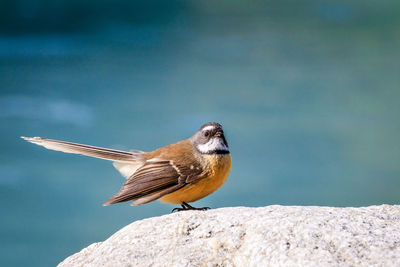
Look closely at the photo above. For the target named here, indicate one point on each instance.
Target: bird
(179, 173)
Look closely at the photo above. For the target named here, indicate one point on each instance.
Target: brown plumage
(178, 173)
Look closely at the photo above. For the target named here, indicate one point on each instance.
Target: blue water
(309, 100)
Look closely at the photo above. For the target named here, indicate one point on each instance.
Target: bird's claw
(186, 206)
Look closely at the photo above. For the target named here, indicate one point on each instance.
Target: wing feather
(149, 198)
(156, 178)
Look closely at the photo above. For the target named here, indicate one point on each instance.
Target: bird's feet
(186, 206)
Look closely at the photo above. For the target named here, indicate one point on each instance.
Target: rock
(266, 236)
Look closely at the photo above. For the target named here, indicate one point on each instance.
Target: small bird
(178, 173)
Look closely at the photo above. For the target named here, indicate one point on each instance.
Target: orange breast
(219, 167)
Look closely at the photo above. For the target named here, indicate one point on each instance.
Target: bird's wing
(156, 178)
(92, 151)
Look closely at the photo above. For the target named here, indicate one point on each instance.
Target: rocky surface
(266, 236)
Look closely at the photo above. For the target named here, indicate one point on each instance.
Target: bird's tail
(92, 151)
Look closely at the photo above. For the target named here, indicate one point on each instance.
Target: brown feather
(158, 176)
(152, 178)
(93, 151)
(155, 196)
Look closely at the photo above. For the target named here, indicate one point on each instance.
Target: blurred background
(307, 92)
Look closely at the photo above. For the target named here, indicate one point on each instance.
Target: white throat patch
(214, 144)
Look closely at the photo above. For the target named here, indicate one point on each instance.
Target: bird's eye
(206, 133)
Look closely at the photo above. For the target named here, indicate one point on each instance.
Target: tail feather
(92, 151)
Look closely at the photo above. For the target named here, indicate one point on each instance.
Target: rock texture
(267, 236)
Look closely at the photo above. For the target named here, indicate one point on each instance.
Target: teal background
(307, 92)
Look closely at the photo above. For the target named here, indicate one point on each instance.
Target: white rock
(267, 236)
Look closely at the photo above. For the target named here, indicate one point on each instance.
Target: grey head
(210, 139)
